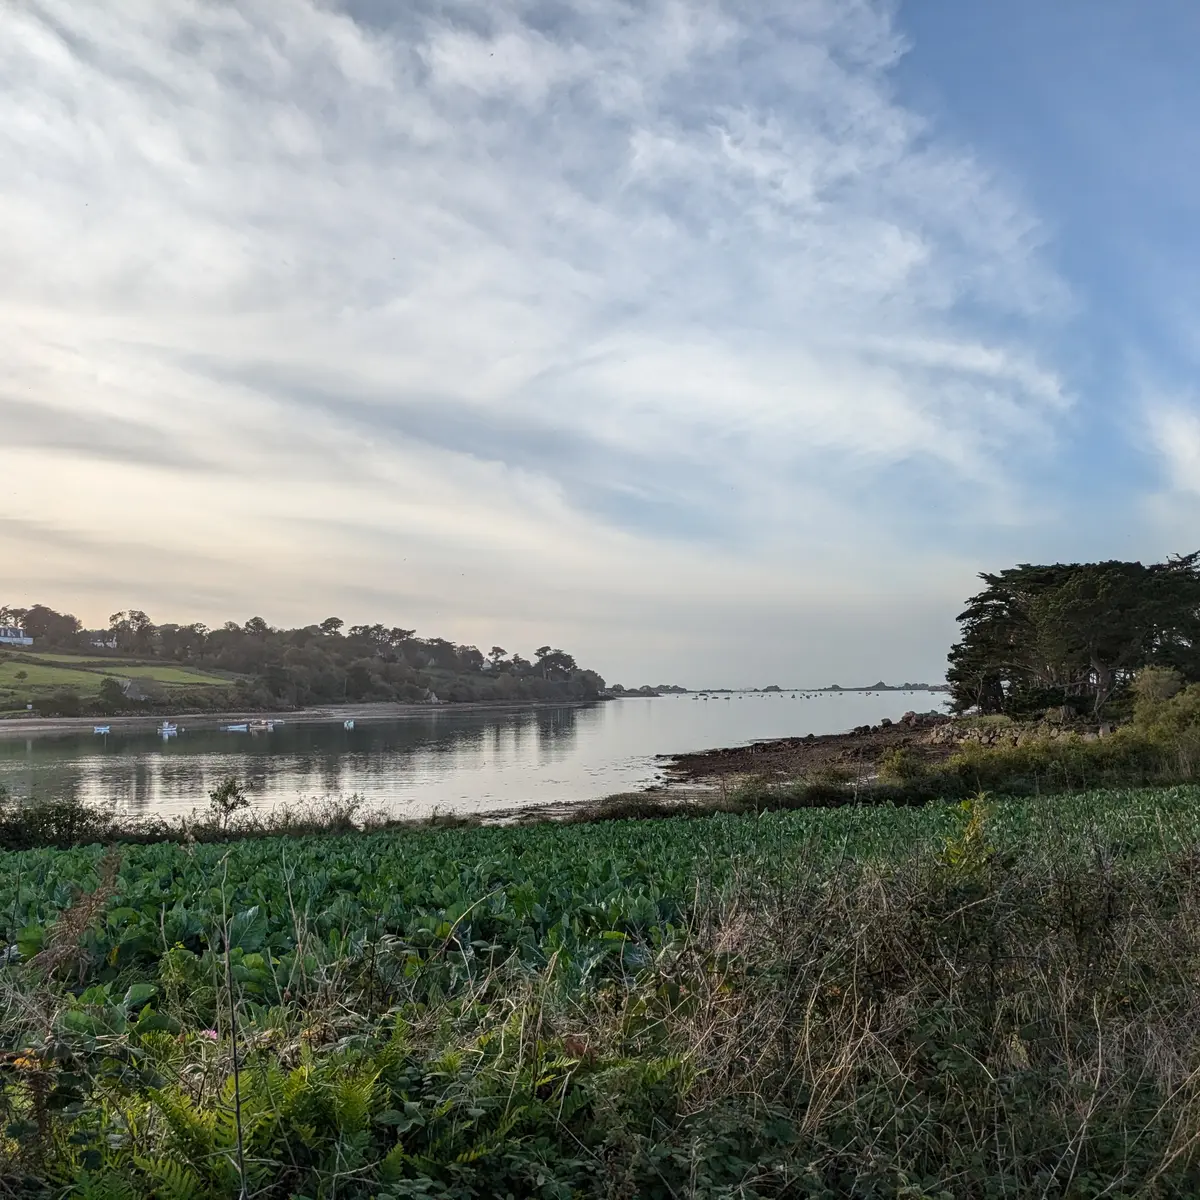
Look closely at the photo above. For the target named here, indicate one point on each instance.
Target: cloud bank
(664, 329)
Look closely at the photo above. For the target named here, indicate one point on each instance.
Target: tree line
(1073, 635)
(322, 663)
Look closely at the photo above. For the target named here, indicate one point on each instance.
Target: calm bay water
(452, 761)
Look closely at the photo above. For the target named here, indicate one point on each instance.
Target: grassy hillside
(27, 678)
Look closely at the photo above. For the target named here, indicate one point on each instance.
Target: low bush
(66, 702)
(69, 822)
(903, 764)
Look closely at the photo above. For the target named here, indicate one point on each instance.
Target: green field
(171, 676)
(39, 677)
(50, 672)
(81, 660)
(571, 883)
(984, 1000)
(568, 887)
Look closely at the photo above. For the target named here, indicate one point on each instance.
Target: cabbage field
(652, 1007)
(579, 893)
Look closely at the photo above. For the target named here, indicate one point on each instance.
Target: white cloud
(1175, 432)
(616, 299)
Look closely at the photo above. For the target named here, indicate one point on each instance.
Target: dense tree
(556, 665)
(43, 624)
(1074, 634)
(325, 662)
(133, 632)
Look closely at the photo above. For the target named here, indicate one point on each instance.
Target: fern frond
(391, 1165)
(172, 1180)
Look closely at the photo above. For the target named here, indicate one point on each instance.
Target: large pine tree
(1074, 633)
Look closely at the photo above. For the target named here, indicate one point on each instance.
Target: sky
(717, 343)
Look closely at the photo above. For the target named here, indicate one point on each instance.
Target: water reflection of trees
(386, 760)
(556, 730)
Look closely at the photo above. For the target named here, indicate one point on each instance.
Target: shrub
(1153, 685)
(1167, 717)
(112, 696)
(902, 764)
(63, 703)
(58, 823)
(226, 799)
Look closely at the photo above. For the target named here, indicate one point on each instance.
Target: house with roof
(14, 635)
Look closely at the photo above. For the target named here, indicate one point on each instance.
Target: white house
(14, 635)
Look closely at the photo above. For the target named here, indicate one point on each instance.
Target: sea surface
(444, 760)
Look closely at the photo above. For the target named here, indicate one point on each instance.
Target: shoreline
(686, 781)
(384, 710)
(856, 751)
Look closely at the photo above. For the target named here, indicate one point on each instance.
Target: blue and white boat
(167, 729)
(101, 728)
(236, 728)
(348, 724)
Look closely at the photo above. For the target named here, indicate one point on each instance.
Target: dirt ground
(788, 758)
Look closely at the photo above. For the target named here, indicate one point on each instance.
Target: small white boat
(235, 728)
(168, 730)
(348, 724)
(261, 726)
(102, 729)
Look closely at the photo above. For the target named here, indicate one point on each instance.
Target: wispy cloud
(612, 295)
(1174, 429)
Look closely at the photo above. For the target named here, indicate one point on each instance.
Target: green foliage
(871, 1001)
(1154, 685)
(252, 665)
(1072, 761)
(58, 823)
(1075, 634)
(226, 799)
(1167, 713)
(902, 764)
(968, 852)
(65, 702)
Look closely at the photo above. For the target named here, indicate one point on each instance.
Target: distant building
(14, 635)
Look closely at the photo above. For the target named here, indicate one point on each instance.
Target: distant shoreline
(20, 725)
(771, 691)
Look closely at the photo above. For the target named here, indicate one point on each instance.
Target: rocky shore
(857, 751)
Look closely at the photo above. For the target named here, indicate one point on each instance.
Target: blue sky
(1091, 110)
(719, 343)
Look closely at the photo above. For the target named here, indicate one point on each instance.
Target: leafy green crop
(569, 1010)
(584, 895)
